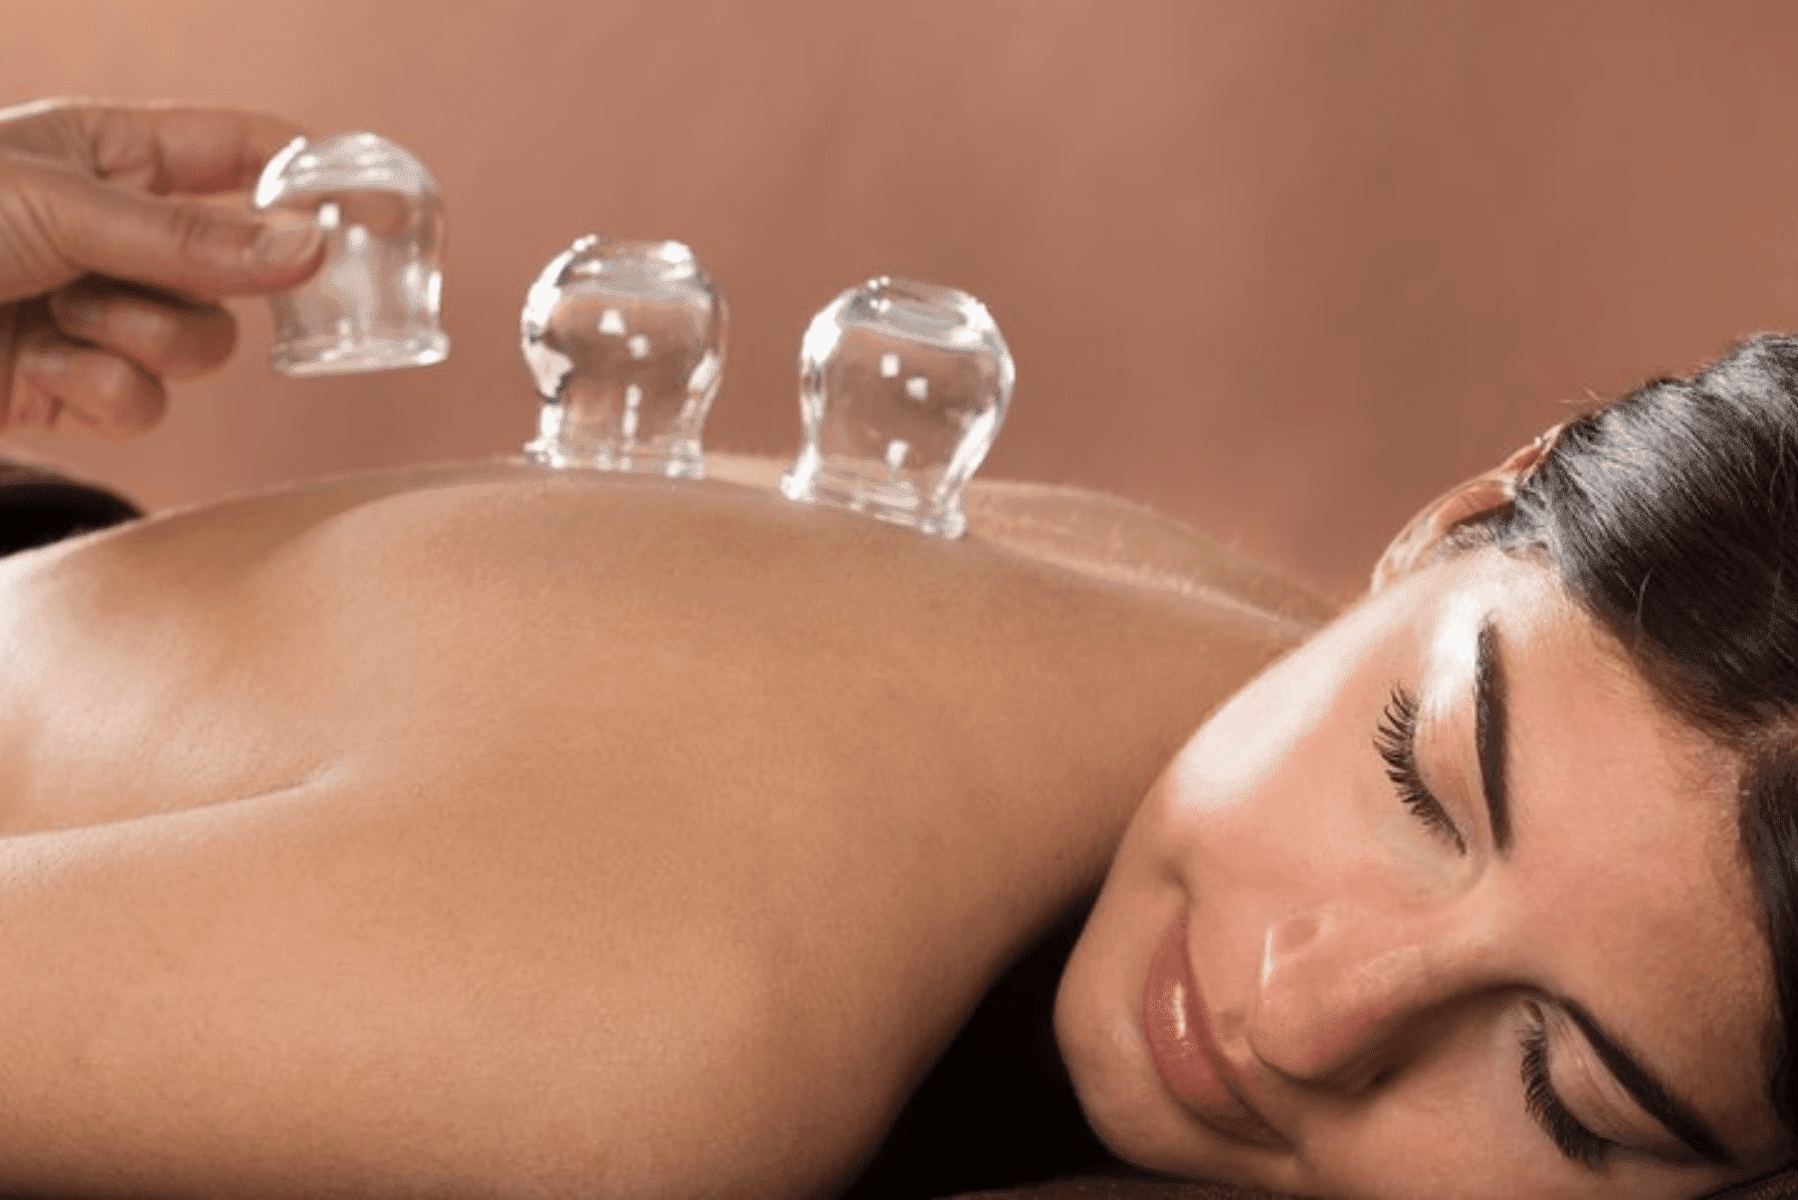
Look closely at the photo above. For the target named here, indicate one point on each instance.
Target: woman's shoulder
(1105, 537)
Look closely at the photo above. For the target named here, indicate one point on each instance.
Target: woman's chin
(1098, 1024)
(1114, 1076)
(1107, 1058)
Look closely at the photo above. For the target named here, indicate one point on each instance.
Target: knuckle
(207, 240)
(151, 333)
(110, 385)
(124, 147)
(33, 230)
(179, 348)
(78, 311)
(194, 231)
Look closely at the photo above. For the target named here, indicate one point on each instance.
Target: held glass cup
(375, 303)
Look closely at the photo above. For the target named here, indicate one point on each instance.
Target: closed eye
(1574, 1140)
(1395, 740)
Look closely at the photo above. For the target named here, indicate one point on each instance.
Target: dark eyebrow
(1491, 726)
(1649, 1092)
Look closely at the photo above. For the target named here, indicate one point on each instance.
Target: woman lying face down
(519, 833)
(483, 832)
(1488, 889)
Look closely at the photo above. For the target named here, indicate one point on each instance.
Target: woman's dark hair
(1671, 516)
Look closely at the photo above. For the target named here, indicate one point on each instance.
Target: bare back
(488, 829)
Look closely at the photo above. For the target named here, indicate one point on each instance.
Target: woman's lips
(1178, 1029)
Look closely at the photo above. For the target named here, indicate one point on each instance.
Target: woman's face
(1442, 905)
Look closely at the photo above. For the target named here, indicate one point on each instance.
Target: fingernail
(285, 242)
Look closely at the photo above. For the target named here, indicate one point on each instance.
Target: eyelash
(1395, 739)
(1545, 1108)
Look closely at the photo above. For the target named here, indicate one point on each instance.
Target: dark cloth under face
(997, 1110)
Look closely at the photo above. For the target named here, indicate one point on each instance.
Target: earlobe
(1417, 543)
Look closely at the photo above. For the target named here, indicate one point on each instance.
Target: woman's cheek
(1254, 789)
(1454, 1115)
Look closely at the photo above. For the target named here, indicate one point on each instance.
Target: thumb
(57, 223)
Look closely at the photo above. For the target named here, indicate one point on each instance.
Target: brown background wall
(1282, 268)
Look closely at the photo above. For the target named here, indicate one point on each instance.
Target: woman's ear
(1417, 543)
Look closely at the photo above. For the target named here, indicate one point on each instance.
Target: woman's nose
(1345, 989)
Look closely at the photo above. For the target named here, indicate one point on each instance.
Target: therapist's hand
(111, 271)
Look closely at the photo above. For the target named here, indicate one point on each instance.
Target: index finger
(159, 148)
